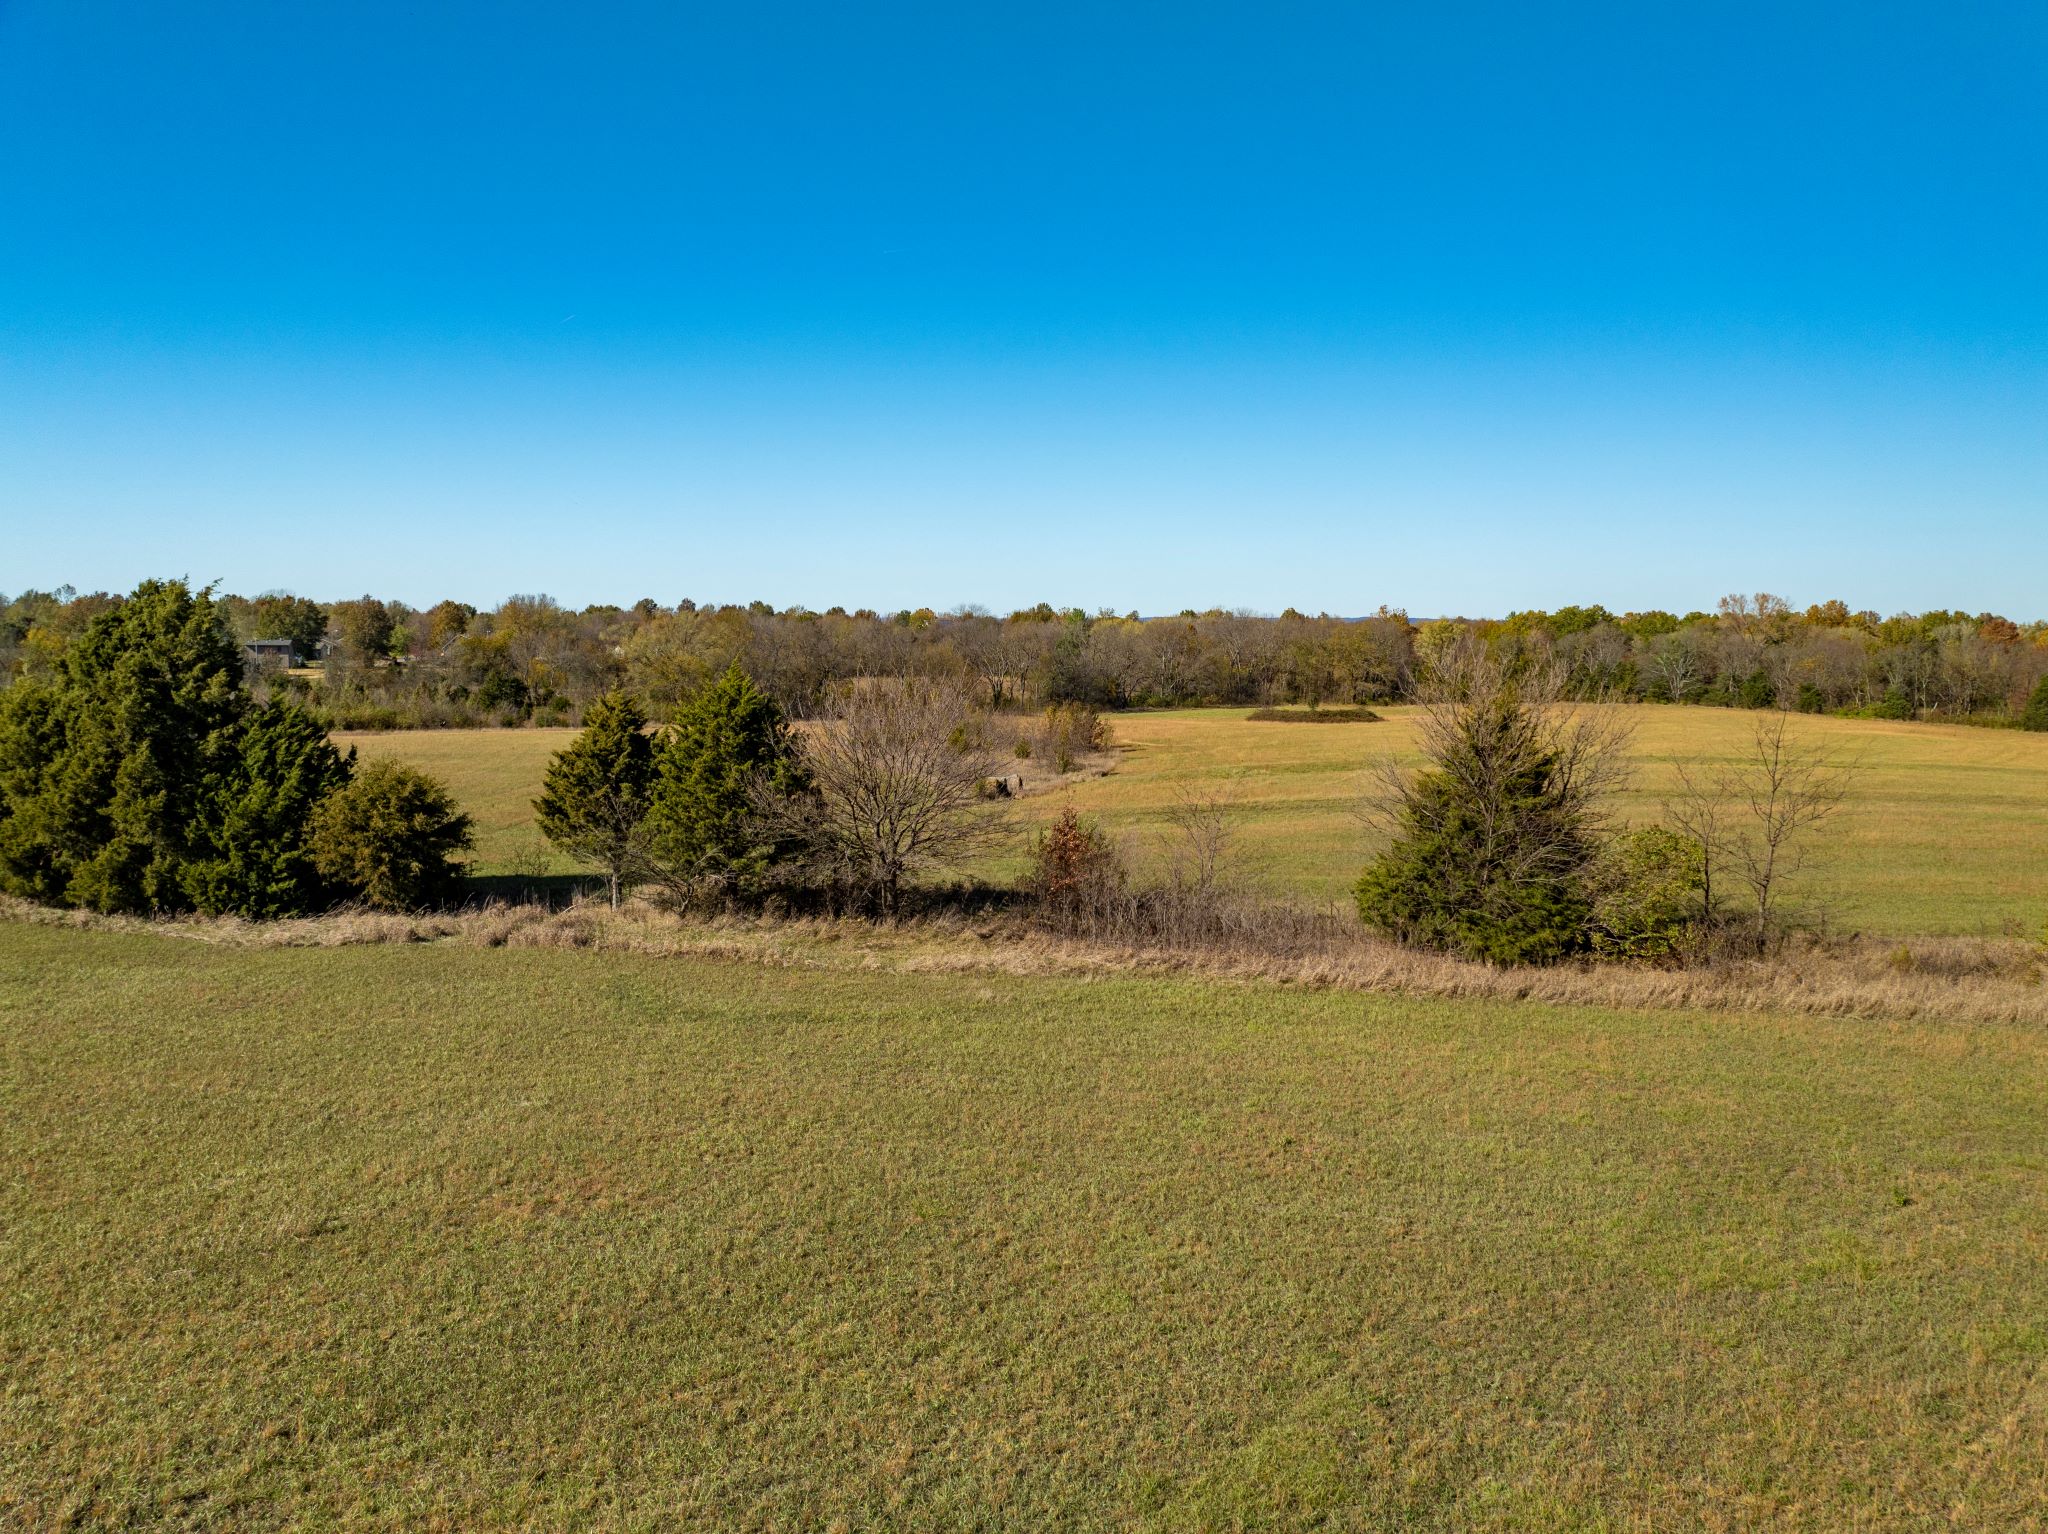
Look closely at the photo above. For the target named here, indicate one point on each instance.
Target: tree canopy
(594, 798)
(729, 744)
(141, 776)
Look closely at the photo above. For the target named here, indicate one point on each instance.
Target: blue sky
(1462, 308)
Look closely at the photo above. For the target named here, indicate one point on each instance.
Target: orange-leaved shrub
(1077, 874)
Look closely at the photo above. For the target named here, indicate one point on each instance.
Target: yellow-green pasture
(1946, 829)
(494, 774)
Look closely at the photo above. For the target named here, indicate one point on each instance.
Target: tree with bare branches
(1700, 813)
(1197, 852)
(1753, 824)
(897, 773)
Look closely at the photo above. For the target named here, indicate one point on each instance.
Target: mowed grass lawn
(1946, 830)
(426, 1236)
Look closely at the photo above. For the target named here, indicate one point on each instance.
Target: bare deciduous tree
(1202, 839)
(1788, 789)
(1675, 660)
(1753, 823)
(1700, 812)
(898, 775)
(982, 645)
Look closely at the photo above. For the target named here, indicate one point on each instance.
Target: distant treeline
(368, 663)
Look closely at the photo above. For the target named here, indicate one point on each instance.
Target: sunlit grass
(1946, 829)
(495, 775)
(416, 1236)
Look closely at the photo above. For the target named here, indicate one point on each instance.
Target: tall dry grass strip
(1963, 980)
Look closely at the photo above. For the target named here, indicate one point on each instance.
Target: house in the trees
(267, 654)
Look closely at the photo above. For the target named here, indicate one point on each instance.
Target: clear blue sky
(1463, 308)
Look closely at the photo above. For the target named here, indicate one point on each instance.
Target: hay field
(1946, 832)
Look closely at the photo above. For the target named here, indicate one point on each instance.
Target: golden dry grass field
(1946, 830)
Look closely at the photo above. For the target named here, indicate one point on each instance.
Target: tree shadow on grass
(553, 891)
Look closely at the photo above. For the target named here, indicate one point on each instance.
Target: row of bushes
(688, 807)
(385, 717)
(1636, 898)
(142, 776)
(1498, 849)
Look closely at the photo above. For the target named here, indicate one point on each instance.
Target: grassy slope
(1947, 831)
(378, 1236)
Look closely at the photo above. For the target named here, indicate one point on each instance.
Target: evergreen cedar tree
(390, 835)
(1508, 881)
(261, 821)
(1498, 855)
(595, 795)
(144, 778)
(729, 742)
(681, 807)
(2035, 716)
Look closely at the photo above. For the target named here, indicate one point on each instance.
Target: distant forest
(374, 664)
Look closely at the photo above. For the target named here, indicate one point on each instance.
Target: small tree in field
(1647, 896)
(897, 776)
(593, 802)
(1496, 842)
(729, 747)
(1751, 826)
(390, 838)
(1077, 876)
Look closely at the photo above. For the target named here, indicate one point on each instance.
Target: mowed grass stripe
(379, 1236)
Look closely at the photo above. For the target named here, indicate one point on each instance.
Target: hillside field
(1946, 830)
(423, 1236)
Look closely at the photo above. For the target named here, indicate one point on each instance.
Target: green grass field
(427, 1236)
(495, 775)
(1946, 831)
